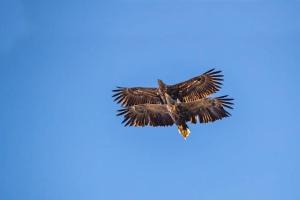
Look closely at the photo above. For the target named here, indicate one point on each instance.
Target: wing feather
(136, 95)
(198, 87)
(146, 114)
(207, 109)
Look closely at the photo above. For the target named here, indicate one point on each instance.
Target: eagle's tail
(184, 130)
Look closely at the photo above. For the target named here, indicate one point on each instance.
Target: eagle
(166, 105)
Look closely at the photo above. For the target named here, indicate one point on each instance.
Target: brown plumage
(202, 111)
(190, 90)
(174, 104)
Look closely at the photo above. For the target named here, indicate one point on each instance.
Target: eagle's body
(175, 109)
(174, 104)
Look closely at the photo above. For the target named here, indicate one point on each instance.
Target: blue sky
(60, 138)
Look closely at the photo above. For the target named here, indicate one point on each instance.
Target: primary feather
(146, 114)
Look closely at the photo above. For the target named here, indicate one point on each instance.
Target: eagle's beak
(185, 136)
(184, 131)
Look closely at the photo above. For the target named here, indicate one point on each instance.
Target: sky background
(60, 138)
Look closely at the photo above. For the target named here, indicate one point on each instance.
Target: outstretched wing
(207, 110)
(136, 95)
(198, 87)
(146, 114)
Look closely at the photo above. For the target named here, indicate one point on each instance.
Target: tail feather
(184, 130)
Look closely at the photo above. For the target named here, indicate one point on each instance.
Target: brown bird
(174, 104)
(190, 90)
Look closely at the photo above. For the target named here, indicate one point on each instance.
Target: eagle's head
(162, 85)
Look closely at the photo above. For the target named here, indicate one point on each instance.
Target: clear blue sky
(60, 138)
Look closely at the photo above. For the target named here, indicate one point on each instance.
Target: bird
(193, 89)
(177, 104)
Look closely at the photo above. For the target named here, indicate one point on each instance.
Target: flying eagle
(166, 105)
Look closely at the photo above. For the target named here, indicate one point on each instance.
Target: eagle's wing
(146, 114)
(136, 95)
(198, 87)
(207, 110)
